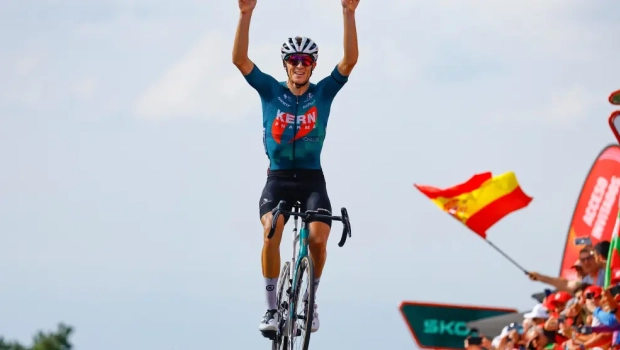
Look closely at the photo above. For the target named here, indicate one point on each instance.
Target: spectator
(601, 250)
(615, 277)
(476, 341)
(604, 309)
(593, 273)
(579, 315)
(565, 322)
(536, 339)
(556, 302)
(593, 296)
(578, 292)
(579, 269)
(538, 316)
(511, 338)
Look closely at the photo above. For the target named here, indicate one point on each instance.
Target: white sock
(271, 293)
(316, 286)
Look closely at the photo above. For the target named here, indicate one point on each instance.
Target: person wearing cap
(556, 302)
(593, 296)
(538, 316)
(615, 276)
(593, 274)
(510, 338)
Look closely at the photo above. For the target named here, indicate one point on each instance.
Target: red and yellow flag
(480, 202)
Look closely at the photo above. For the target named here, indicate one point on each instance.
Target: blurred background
(132, 161)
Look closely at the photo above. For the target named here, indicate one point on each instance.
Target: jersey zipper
(295, 132)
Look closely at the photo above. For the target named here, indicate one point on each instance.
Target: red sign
(597, 207)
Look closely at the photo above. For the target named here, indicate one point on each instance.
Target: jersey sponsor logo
(311, 103)
(301, 124)
(282, 102)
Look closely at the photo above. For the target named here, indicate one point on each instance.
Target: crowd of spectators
(579, 314)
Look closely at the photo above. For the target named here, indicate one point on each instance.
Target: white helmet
(300, 44)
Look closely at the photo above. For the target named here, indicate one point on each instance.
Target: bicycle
(291, 278)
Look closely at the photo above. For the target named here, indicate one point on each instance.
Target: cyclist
(295, 114)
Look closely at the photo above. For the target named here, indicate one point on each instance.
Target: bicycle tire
(280, 342)
(305, 268)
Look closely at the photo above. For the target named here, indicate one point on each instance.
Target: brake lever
(345, 215)
(346, 227)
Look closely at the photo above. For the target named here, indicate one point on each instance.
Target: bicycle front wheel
(280, 342)
(302, 306)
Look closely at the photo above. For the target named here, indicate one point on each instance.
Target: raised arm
(350, 38)
(240, 49)
(558, 282)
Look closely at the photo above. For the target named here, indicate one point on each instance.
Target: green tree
(55, 340)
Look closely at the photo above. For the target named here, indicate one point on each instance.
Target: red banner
(597, 207)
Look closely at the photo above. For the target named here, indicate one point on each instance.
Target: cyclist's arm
(263, 83)
(240, 48)
(351, 52)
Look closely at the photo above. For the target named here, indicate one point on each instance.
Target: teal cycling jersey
(294, 127)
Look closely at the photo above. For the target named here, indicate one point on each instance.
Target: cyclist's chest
(292, 118)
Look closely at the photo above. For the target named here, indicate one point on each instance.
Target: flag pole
(506, 256)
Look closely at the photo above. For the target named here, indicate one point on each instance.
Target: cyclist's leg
(319, 234)
(270, 257)
(319, 228)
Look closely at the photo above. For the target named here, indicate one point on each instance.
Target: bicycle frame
(300, 237)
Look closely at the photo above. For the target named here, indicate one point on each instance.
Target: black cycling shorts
(306, 186)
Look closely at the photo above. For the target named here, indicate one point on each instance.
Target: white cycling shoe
(315, 319)
(269, 322)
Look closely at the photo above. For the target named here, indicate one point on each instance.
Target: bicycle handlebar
(310, 214)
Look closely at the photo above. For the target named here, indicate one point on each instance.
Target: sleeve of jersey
(263, 83)
(331, 84)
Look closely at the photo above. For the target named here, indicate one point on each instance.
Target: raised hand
(248, 5)
(350, 5)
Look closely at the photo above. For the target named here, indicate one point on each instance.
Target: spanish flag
(480, 202)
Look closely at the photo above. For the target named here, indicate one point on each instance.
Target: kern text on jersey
(300, 125)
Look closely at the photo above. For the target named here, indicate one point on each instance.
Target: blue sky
(133, 161)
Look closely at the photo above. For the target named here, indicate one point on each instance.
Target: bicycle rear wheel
(303, 310)
(280, 342)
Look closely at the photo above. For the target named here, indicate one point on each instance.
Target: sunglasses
(305, 60)
(587, 258)
(592, 296)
